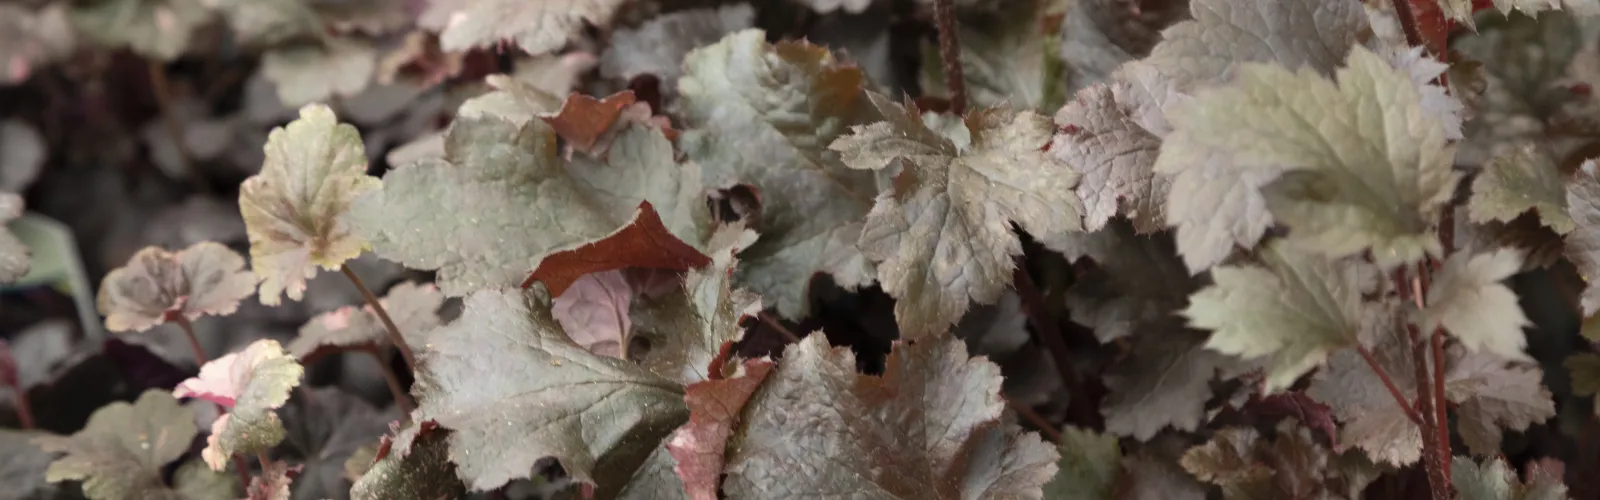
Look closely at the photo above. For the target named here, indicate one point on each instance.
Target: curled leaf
(714, 410)
(157, 285)
(315, 168)
(252, 384)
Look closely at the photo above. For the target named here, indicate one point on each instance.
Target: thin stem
(163, 91)
(395, 338)
(401, 399)
(1388, 383)
(1408, 22)
(194, 342)
(1431, 460)
(950, 53)
(1045, 427)
(262, 456)
(773, 322)
(1441, 419)
(1049, 333)
(24, 409)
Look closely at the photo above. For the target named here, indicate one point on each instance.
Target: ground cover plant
(865, 249)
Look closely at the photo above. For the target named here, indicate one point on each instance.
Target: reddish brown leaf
(1297, 404)
(583, 119)
(419, 60)
(644, 243)
(714, 408)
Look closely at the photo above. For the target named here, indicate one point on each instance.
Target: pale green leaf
(1295, 308)
(1090, 466)
(942, 236)
(1007, 57)
(1583, 243)
(414, 309)
(320, 70)
(1215, 205)
(252, 384)
(1366, 166)
(929, 428)
(538, 27)
(1517, 180)
(120, 452)
(157, 29)
(514, 389)
(15, 258)
(513, 99)
(314, 170)
(517, 201)
(765, 115)
(1494, 480)
(1469, 299)
(205, 279)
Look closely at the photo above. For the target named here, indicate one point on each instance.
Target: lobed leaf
(942, 236)
(309, 72)
(1470, 301)
(517, 202)
(699, 447)
(1493, 480)
(1364, 166)
(1294, 310)
(514, 389)
(314, 170)
(1583, 243)
(252, 384)
(537, 27)
(414, 464)
(928, 428)
(121, 451)
(1090, 467)
(1519, 180)
(157, 29)
(765, 115)
(156, 286)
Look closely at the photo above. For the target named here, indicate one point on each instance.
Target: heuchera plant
(1084, 249)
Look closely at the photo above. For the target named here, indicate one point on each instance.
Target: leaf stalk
(944, 17)
(395, 338)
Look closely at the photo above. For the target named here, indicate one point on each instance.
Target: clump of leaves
(1285, 239)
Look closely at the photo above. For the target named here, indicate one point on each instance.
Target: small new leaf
(1470, 300)
(929, 428)
(1516, 181)
(765, 115)
(413, 307)
(514, 389)
(1295, 308)
(942, 236)
(252, 384)
(157, 286)
(315, 168)
(1366, 166)
(120, 452)
(274, 481)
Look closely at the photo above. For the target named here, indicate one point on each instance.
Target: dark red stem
(950, 53)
